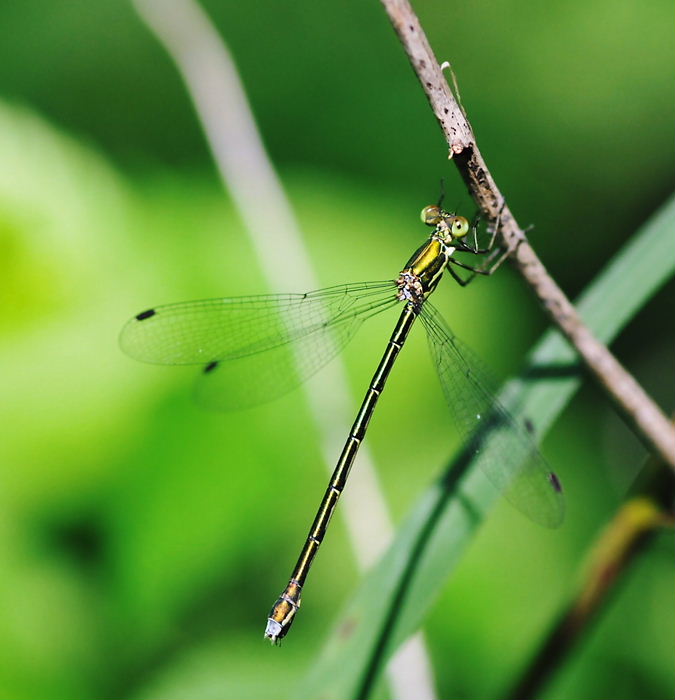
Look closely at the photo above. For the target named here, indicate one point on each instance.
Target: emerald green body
(416, 281)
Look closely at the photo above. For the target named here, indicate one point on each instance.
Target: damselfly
(248, 338)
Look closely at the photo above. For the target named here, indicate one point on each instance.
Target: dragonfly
(254, 349)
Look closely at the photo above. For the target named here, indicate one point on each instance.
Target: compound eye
(459, 226)
(431, 215)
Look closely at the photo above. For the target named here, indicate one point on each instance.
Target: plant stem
(631, 530)
(221, 104)
(643, 416)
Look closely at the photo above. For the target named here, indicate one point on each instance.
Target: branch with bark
(642, 415)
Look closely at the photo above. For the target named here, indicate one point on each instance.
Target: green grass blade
(441, 524)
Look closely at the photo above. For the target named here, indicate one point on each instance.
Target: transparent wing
(503, 447)
(254, 349)
(264, 376)
(196, 332)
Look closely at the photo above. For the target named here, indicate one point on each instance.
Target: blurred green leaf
(393, 599)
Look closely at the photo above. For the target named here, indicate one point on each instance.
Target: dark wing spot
(210, 367)
(529, 426)
(145, 314)
(555, 482)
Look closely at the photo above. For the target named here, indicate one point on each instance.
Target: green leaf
(395, 596)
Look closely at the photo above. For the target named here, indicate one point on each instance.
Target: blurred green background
(143, 540)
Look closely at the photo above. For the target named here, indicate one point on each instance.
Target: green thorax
(424, 270)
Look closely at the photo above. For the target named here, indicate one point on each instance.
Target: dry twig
(640, 412)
